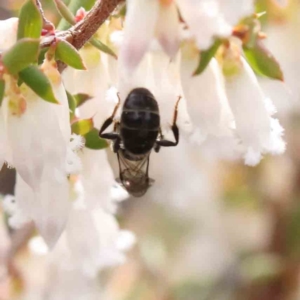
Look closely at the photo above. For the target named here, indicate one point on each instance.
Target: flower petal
(255, 127)
(167, 28)
(235, 10)
(206, 99)
(8, 32)
(97, 179)
(205, 20)
(139, 29)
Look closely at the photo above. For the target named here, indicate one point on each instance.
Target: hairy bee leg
(116, 144)
(108, 122)
(165, 143)
(156, 146)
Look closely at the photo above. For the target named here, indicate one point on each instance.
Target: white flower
(8, 30)
(94, 241)
(205, 97)
(144, 20)
(3, 139)
(48, 206)
(257, 130)
(73, 162)
(17, 218)
(98, 180)
(38, 138)
(207, 19)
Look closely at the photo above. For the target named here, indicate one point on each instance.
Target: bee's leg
(116, 144)
(156, 145)
(110, 135)
(165, 143)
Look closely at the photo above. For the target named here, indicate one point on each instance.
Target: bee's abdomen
(140, 121)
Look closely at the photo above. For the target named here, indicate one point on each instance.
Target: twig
(85, 29)
(82, 32)
(47, 23)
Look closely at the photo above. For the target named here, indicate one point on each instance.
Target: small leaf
(69, 55)
(263, 62)
(21, 55)
(93, 141)
(30, 21)
(82, 127)
(102, 47)
(64, 11)
(81, 98)
(38, 82)
(72, 104)
(73, 6)
(2, 90)
(123, 10)
(206, 56)
(42, 53)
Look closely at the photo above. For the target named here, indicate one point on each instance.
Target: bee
(134, 137)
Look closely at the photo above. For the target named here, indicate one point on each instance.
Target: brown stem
(82, 32)
(47, 23)
(85, 29)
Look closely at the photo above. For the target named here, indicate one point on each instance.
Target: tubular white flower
(145, 20)
(164, 83)
(8, 31)
(48, 206)
(235, 10)
(45, 129)
(92, 81)
(17, 218)
(206, 98)
(210, 18)
(205, 20)
(139, 29)
(39, 140)
(95, 240)
(73, 162)
(167, 28)
(3, 139)
(97, 180)
(258, 132)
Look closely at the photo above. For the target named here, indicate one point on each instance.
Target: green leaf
(102, 47)
(2, 90)
(262, 61)
(81, 98)
(38, 82)
(30, 21)
(261, 267)
(93, 141)
(293, 229)
(73, 6)
(21, 55)
(123, 10)
(72, 104)
(82, 127)
(42, 55)
(69, 55)
(206, 56)
(64, 11)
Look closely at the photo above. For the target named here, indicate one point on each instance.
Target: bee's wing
(133, 168)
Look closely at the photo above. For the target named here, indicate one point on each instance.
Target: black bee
(135, 135)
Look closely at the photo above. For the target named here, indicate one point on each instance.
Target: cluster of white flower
(157, 52)
(37, 141)
(231, 107)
